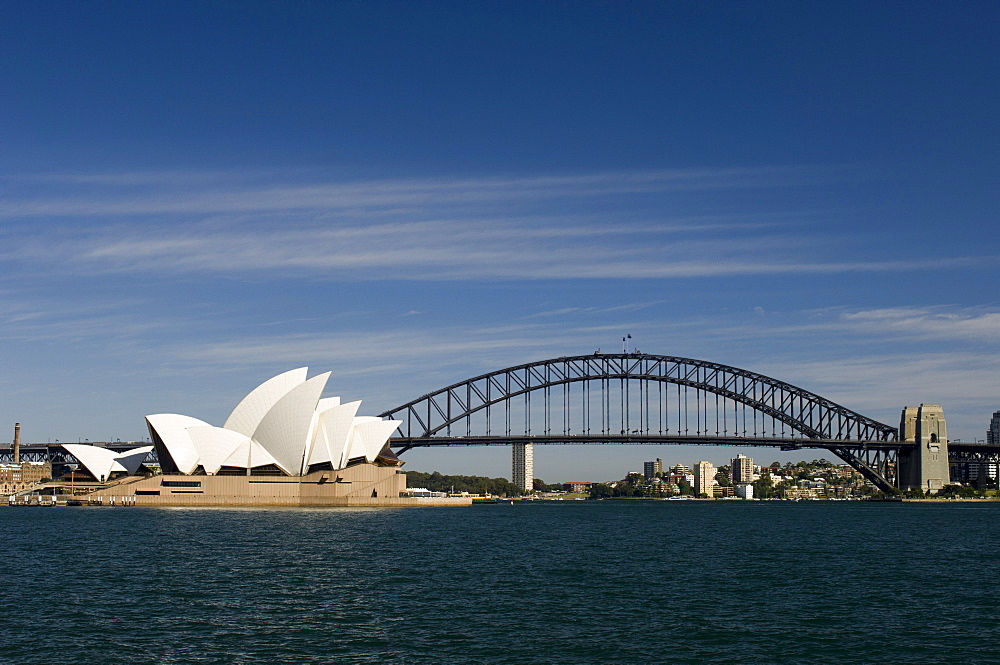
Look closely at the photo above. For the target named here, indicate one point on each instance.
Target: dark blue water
(570, 582)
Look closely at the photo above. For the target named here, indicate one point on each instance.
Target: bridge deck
(643, 439)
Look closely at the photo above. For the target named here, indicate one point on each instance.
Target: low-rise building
(721, 491)
(36, 472)
(421, 492)
(10, 473)
(800, 493)
(658, 486)
(19, 477)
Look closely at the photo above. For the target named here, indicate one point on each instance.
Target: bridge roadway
(402, 444)
(406, 443)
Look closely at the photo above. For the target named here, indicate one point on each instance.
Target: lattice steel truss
(643, 398)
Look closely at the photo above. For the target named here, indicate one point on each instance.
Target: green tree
(601, 491)
(627, 486)
(763, 487)
(542, 486)
(724, 476)
(960, 491)
(437, 482)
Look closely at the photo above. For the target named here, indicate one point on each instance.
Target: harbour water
(544, 582)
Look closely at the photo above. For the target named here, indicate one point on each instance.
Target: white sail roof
(327, 403)
(249, 455)
(248, 414)
(132, 459)
(333, 427)
(215, 445)
(101, 462)
(369, 435)
(98, 461)
(171, 428)
(283, 421)
(284, 430)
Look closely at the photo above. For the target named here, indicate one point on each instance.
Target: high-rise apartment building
(742, 467)
(524, 466)
(704, 478)
(652, 469)
(993, 433)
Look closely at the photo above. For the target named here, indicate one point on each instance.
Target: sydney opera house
(283, 444)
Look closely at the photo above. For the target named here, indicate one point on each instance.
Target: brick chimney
(17, 443)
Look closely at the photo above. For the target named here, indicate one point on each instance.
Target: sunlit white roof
(247, 415)
(284, 422)
(249, 455)
(215, 445)
(101, 462)
(284, 430)
(132, 459)
(368, 437)
(172, 431)
(332, 432)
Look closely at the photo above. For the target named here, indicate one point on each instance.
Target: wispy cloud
(175, 195)
(47, 320)
(573, 311)
(450, 249)
(365, 349)
(940, 323)
(591, 226)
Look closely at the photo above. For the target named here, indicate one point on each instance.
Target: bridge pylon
(925, 465)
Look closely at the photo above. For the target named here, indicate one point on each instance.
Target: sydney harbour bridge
(638, 398)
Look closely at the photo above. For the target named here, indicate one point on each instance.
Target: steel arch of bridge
(496, 408)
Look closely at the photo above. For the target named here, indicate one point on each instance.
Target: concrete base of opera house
(358, 485)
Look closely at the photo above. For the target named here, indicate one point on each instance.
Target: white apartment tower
(704, 478)
(524, 466)
(742, 469)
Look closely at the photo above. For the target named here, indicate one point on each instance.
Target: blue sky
(196, 196)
